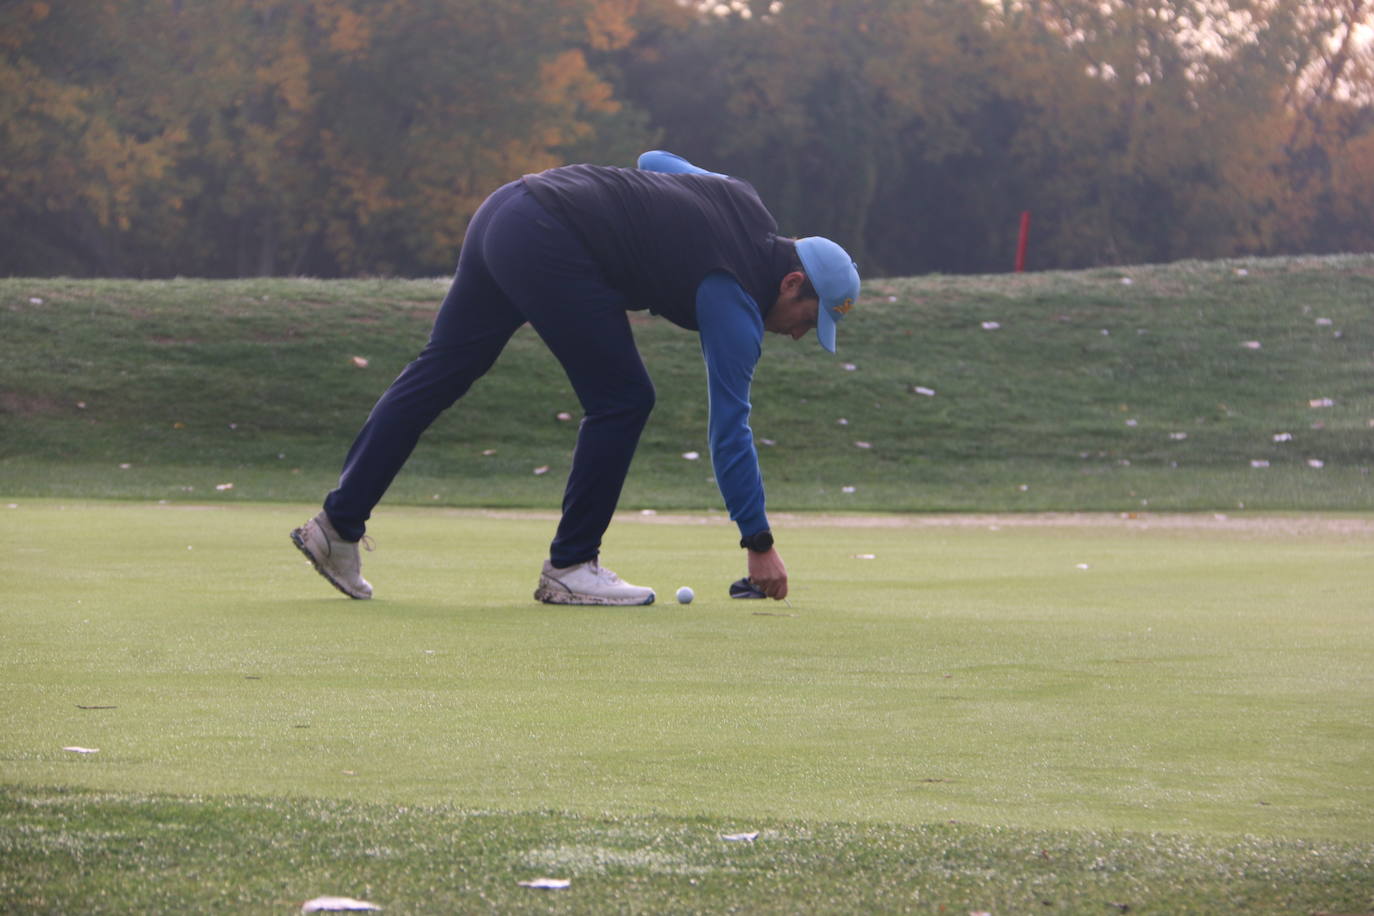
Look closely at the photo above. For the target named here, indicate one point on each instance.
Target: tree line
(222, 138)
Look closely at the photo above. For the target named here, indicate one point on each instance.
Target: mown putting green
(1149, 674)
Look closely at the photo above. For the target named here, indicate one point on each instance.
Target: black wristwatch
(759, 543)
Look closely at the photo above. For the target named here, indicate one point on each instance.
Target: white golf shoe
(588, 583)
(333, 557)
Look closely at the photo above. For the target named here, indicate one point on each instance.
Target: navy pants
(518, 264)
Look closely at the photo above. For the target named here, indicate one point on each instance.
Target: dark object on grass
(744, 588)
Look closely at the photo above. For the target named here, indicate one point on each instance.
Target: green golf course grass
(1066, 677)
(1137, 680)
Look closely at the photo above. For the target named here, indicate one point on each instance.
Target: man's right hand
(766, 570)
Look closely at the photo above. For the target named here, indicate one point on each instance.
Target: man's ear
(791, 284)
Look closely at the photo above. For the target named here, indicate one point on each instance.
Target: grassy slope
(1092, 394)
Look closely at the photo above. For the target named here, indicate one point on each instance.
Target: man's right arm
(731, 337)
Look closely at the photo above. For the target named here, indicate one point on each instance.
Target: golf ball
(685, 595)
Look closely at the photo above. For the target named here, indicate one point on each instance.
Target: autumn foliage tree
(345, 137)
(265, 136)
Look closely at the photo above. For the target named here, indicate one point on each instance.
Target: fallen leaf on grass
(740, 837)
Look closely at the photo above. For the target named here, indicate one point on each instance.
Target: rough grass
(64, 851)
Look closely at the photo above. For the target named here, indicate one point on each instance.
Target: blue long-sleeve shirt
(731, 328)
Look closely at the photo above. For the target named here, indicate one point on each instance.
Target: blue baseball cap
(836, 279)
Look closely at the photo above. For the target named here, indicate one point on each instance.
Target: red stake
(1021, 242)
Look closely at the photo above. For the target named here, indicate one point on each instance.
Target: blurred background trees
(347, 137)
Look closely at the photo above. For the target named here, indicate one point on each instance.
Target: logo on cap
(844, 307)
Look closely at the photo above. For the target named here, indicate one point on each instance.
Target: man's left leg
(546, 270)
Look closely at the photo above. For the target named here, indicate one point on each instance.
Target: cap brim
(825, 328)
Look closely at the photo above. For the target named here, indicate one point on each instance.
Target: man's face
(791, 314)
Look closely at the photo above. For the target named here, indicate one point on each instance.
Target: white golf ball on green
(685, 595)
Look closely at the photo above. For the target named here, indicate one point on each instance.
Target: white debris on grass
(991, 325)
(1321, 402)
(691, 456)
(863, 445)
(548, 884)
(846, 489)
(75, 749)
(1316, 463)
(224, 486)
(1323, 322)
(542, 469)
(922, 390)
(749, 837)
(360, 362)
(1178, 437)
(564, 416)
(337, 905)
(1259, 463)
(1252, 345)
(1283, 437)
